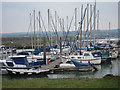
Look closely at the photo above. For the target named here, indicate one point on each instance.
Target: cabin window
(75, 54)
(79, 57)
(86, 54)
(72, 57)
(9, 63)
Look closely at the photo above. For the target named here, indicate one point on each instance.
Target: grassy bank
(107, 82)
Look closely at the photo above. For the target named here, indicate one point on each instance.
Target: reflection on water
(103, 69)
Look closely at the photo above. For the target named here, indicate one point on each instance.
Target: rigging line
(45, 30)
(89, 32)
(54, 27)
(40, 26)
(83, 17)
(89, 23)
(65, 27)
(59, 21)
(68, 29)
(77, 33)
(53, 30)
(29, 25)
(37, 29)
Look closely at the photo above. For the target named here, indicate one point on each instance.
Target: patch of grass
(106, 82)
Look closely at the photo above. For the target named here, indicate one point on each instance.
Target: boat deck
(51, 65)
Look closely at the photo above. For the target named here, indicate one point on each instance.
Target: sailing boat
(82, 56)
(85, 57)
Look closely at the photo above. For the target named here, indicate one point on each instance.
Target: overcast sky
(15, 15)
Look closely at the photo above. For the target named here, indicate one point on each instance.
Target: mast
(49, 25)
(39, 31)
(87, 22)
(84, 31)
(56, 23)
(98, 20)
(75, 19)
(67, 22)
(31, 33)
(81, 27)
(94, 20)
(90, 22)
(34, 44)
(108, 33)
(63, 29)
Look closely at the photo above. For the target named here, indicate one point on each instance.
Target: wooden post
(44, 50)
(70, 41)
(60, 46)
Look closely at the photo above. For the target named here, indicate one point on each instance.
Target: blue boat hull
(79, 64)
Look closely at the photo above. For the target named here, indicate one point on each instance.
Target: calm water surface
(112, 67)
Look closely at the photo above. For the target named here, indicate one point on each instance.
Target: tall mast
(109, 33)
(31, 33)
(67, 22)
(39, 31)
(63, 29)
(98, 20)
(75, 19)
(34, 31)
(90, 22)
(87, 22)
(84, 31)
(56, 23)
(81, 27)
(49, 25)
(94, 20)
